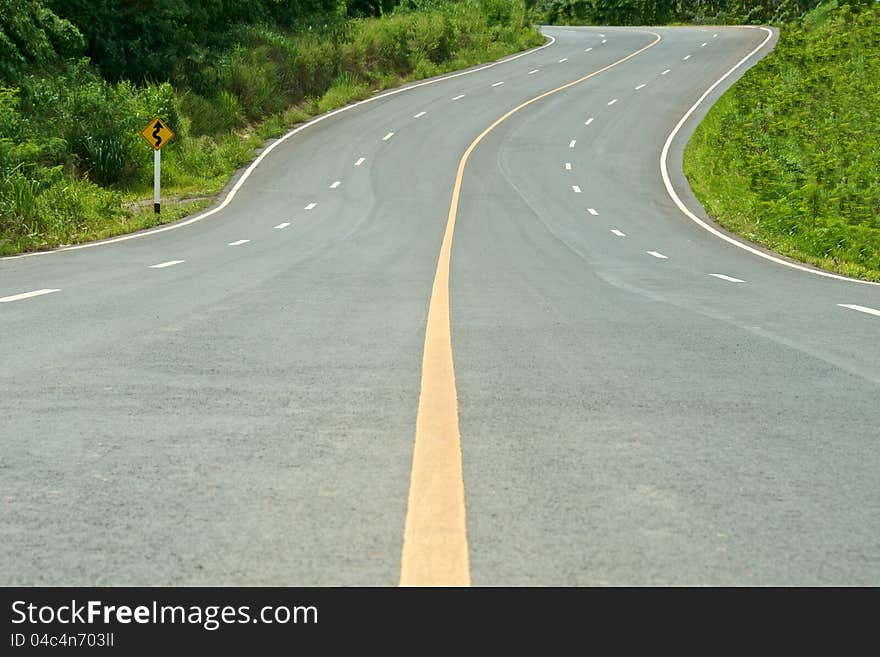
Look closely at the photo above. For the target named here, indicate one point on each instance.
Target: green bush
(659, 12)
(32, 35)
(790, 155)
(72, 162)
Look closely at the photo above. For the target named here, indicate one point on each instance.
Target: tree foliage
(32, 35)
(658, 12)
(151, 39)
(80, 78)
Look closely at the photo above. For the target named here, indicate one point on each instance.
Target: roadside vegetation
(790, 156)
(663, 12)
(80, 78)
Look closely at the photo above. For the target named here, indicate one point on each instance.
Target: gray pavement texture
(247, 417)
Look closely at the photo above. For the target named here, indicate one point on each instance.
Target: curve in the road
(637, 402)
(664, 172)
(250, 169)
(435, 551)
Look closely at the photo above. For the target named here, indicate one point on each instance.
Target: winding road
(460, 333)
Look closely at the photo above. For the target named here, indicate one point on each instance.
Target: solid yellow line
(435, 549)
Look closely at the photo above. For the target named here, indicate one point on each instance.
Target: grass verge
(789, 157)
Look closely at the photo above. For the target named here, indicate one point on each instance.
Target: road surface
(240, 400)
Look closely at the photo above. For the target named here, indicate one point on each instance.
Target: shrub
(70, 147)
(789, 155)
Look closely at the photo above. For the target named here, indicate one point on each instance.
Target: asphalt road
(626, 416)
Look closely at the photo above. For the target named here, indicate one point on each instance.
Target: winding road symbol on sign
(157, 133)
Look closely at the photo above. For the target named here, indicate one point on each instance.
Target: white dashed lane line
(563, 60)
(612, 101)
(572, 143)
(335, 184)
(282, 225)
(533, 71)
(27, 295)
(604, 40)
(388, 136)
(641, 86)
(729, 279)
(588, 121)
(568, 166)
(686, 57)
(657, 254)
(703, 45)
(419, 115)
(619, 233)
(238, 242)
(851, 306)
(715, 35)
(588, 50)
(577, 190)
(170, 263)
(311, 206)
(666, 71)
(593, 212)
(360, 161)
(458, 97)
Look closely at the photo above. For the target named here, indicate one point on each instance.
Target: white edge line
(664, 172)
(27, 295)
(851, 306)
(253, 165)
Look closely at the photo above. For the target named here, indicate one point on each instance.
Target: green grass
(790, 156)
(73, 167)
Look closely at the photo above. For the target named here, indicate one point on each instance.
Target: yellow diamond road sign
(157, 133)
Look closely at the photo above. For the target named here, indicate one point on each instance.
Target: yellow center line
(435, 548)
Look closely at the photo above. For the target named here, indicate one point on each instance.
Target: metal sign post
(157, 178)
(157, 135)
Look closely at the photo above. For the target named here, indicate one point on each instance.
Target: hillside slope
(790, 156)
